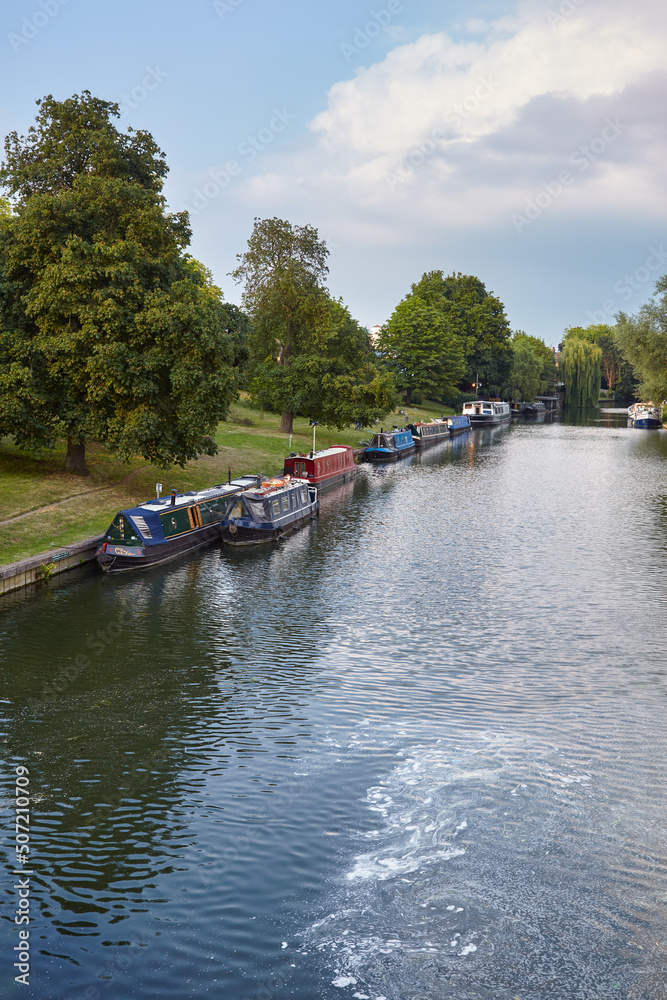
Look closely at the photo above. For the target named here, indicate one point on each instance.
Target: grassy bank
(43, 506)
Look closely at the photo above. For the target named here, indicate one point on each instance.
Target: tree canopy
(580, 363)
(307, 354)
(108, 330)
(472, 318)
(421, 349)
(533, 369)
(643, 342)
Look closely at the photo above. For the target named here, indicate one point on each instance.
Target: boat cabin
(270, 503)
(319, 466)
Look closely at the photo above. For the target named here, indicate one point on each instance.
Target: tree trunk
(75, 460)
(286, 422)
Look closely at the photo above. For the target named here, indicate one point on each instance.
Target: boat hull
(240, 535)
(113, 558)
(426, 442)
(489, 420)
(645, 423)
(388, 454)
(330, 482)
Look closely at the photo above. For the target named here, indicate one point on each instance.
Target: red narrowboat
(323, 469)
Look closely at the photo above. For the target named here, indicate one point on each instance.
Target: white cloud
(461, 133)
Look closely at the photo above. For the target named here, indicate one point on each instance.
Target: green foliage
(336, 382)
(307, 354)
(533, 370)
(643, 342)
(455, 399)
(109, 331)
(524, 381)
(615, 369)
(283, 270)
(580, 361)
(477, 318)
(421, 349)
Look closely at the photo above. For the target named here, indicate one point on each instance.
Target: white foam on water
(442, 802)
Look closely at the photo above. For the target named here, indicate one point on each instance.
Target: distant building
(374, 333)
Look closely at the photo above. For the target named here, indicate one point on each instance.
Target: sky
(524, 143)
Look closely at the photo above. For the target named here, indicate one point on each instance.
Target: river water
(416, 751)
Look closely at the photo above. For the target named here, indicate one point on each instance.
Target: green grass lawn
(61, 508)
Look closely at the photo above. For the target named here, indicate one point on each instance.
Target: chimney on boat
(173, 498)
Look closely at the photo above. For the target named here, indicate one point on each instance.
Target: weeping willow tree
(580, 363)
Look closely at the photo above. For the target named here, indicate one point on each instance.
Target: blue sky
(521, 142)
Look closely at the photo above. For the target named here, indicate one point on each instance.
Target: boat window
(275, 504)
(328, 465)
(285, 502)
(304, 495)
(303, 468)
(236, 508)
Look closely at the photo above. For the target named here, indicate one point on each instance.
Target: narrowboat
(389, 446)
(323, 469)
(165, 527)
(644, 416)
(486, 413)
(425, 435)
(268, 511)
(458, 424)
(534, 409)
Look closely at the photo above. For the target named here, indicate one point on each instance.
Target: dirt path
(74, 496)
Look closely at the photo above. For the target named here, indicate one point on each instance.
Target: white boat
(644, 416)
(486, 413)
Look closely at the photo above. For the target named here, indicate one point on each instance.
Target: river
(416, 751)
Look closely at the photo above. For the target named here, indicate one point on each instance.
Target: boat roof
(335, 449)
(185, 499)
(259, 493)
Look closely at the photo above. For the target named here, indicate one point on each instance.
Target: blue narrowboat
(389, 446)
(425, 435)
(644, 416)
(165, 527)
(269, 511)
(459, 424)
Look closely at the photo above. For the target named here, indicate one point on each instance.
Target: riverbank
(44, 508)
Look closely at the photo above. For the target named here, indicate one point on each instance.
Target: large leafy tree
(307, 354)
(422, 350)
(283, 271)
(533, 368)
(336, 383)
(614, 368)
(643, 342)
(478, 319)
(108, 330)
(580, 363)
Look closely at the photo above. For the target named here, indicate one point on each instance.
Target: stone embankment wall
(47, 564)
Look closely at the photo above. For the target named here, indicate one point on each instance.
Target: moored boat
(486, 413)
(644, 416)
(458, 423)
(323, 469)
(268, 511)
(165, 527)
(532, 409)
(389, 446)
(426, 434)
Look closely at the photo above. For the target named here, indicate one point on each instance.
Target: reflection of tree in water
(119, 687)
